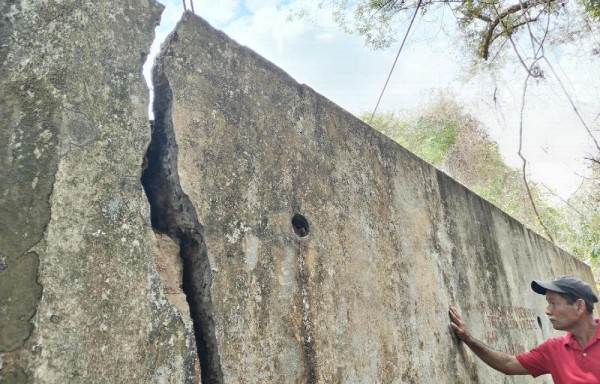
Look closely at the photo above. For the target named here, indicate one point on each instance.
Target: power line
(395, 61)
(191, 4)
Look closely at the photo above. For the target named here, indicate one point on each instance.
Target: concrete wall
(275, 238)
(391, 243)
(80, 297)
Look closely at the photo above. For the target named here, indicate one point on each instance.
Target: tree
(487, 27)
(582, 233)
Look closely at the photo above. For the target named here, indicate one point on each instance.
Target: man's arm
(505, 363)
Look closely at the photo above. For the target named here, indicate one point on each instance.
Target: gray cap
(566, 284)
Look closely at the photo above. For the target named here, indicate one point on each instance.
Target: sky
(314, 51)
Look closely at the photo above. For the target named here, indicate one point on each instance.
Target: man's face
(562, 315)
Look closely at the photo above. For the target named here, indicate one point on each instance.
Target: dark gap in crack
(173, 214)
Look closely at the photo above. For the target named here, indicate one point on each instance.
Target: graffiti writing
(507, 317)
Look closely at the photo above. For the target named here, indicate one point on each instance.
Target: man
(570, 359)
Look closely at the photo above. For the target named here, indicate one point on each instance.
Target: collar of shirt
(572, 343)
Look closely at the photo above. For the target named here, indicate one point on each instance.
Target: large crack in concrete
(173, 214)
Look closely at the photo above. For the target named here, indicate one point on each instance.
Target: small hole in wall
(539, 321)
(300, 224)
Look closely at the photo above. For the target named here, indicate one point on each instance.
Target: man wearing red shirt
(570, 359)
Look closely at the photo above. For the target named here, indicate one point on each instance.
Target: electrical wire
(396, 60)
(191, 4)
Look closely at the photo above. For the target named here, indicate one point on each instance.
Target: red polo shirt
(565, 360)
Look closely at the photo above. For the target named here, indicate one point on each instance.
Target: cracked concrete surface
(74, 220)
(173, 214)
(327, 253)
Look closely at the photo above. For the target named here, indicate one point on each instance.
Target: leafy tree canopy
(485, 26)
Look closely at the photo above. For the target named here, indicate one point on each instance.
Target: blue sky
(315, 52)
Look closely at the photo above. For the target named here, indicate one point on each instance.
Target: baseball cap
(566, 284)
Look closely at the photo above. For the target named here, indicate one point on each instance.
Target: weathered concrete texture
(20, 295)
(80, 298)
(391, 241)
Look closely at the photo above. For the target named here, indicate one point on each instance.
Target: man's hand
(458, 325)
(507, 364)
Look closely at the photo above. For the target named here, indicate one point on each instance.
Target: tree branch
(483, 18)
(500, 16)
(593, 160)
(392, 2)
(566, 202)
(524, 169)
(587, 128)
(505, 32)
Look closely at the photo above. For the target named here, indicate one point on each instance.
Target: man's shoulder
(554, 342)
(548, 346)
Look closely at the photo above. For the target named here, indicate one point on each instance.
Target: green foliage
(582, 230)
(430, 139)
(592, 7)
(582, 237)
(427, 135)
(447, 137)
(484, 27)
